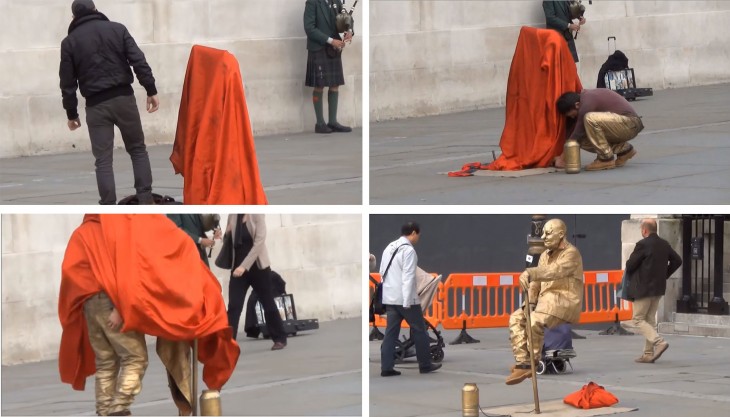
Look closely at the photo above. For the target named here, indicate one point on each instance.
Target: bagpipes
(344, 21)
(577, 10)
(210, 222)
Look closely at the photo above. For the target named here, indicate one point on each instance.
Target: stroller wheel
(540, 369)
(400, 352)
(437, 353)
(559, 366)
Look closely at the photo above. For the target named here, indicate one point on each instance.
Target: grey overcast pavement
(692, 378)
(304, 168)
(319, 373)
(683, 157)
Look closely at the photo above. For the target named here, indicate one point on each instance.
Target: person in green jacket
(324, 60)
(193, 226)
(557, 17)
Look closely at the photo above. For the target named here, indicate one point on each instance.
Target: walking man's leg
(414, 318)
(101, 133)
(130, 125)
(387, 348)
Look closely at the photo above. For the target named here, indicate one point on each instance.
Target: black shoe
(392, 372)
(322, 128)
(278, 346)
(433, 367)
(338, 127)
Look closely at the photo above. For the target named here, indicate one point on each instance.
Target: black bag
(159, 200)
(224, 260)
(376, 303)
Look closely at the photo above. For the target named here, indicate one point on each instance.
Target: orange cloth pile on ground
(534, 131)
(591, 395)
(153, 274)
(214, 146)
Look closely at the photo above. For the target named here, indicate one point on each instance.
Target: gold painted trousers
(609, 133)
(643, 321)
(121, 358)
(518, 333)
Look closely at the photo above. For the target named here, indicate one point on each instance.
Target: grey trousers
(414, 317)
(121, 112)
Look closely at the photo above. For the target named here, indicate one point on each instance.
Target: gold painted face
(553, 233)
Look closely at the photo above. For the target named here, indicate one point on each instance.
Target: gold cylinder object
(571, 155)
(470, 400)
(210, 403)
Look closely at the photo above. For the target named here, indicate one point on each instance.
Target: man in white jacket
(398, 268)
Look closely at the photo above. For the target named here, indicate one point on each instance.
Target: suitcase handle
(609, 44)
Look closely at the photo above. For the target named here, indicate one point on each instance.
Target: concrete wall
(431, 57)
(670, 228)
(319, 257)
(266, 36)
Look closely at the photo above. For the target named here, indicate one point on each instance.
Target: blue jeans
(414, 317)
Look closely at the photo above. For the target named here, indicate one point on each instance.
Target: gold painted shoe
(660, 348)
(520, 372)
(645, 358)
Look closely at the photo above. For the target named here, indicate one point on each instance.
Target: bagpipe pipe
(344, 21)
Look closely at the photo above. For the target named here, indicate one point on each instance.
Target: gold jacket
(558, 279)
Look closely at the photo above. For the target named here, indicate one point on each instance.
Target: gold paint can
(210, 403)
(571, 156)
(470, 400)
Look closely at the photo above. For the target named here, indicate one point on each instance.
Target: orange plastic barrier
(601, 302)
(480, 300)
(433, 314)
(484, 300)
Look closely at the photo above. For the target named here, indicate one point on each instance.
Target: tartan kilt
(323, 71)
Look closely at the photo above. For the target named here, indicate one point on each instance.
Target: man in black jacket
(95, 58)
(651, 263)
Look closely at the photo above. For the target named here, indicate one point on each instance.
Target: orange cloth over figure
(534, 131)
(591, 395)
(152, 272)
(214, 147)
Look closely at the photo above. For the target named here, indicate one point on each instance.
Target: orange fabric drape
(591, 395)
(542, 70)
(214, 146)
(153, 274)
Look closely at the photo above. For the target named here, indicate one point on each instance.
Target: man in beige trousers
(651, 263)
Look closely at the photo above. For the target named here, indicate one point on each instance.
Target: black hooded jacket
(95, 57)
(616, 61)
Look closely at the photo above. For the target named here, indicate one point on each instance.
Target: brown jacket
(256, 225)
(558, 277)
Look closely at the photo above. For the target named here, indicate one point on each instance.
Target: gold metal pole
(532, 352)
(194, 361)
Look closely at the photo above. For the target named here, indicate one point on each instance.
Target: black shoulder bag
(376, 303)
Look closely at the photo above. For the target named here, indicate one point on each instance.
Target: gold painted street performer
(118, 285)
(555, 288)
(605, 123)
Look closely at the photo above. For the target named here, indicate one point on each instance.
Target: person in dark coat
(557, 17)
(651, 263)
(324, 60)
(193, 226)
(95, 59)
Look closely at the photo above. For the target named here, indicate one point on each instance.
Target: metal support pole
(532, 351)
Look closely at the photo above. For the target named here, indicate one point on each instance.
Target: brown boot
(520, 372)
(659, 348)
(645, 358)
(599, 165)
(622, 159)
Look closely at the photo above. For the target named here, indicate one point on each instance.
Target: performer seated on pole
(555, 289)
(117, 285)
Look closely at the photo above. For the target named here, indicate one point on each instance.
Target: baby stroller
(557, 351)
(426, 285)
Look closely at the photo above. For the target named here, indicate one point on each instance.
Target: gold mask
(553, 233)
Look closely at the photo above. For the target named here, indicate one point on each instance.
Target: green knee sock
(318, 106)
(332, 97)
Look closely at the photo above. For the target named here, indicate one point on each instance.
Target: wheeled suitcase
(623, 81)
